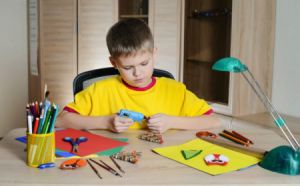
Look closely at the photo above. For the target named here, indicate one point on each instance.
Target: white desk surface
(152, 169)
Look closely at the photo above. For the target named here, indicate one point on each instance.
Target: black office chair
(84, 79)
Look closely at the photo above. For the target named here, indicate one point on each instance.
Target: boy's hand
(121, 124)
(159, 123)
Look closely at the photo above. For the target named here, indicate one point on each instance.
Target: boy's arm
(77, 121)
(161, 122)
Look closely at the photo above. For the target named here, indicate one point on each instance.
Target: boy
(166, 102)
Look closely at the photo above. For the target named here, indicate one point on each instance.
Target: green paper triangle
(188, 154)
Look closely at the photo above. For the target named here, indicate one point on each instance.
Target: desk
(152, 169)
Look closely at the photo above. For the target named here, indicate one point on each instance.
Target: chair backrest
(85, 79)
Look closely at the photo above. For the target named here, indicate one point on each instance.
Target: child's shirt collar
(149, 86)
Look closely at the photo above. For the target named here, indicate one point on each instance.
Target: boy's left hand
(159, 123)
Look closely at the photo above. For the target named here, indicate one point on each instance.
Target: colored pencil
(242, 137)
(231, 138)
(106, 168)
(36, 125)
(94, 169)
(256, 152)
(117, 174)
(116, 164)
(235, 136)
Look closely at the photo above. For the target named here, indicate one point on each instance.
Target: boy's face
(136, 70)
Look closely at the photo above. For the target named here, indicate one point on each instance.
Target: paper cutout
(149, 136)
(113, 151)
(95, 143)
(189, 154)
(131, 157)
(237, 159)
(216, 159)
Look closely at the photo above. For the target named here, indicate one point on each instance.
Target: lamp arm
(278, 120)
(263, 97)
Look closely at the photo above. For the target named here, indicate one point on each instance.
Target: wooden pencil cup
(40, 149)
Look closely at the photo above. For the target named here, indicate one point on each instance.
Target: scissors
(75, 143)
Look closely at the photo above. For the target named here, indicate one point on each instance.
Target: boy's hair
(129, 36)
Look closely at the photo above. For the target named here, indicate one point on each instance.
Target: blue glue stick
(135, 116)
(46, 165)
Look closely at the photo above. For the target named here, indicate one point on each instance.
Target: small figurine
(149, 136)
(131, 157)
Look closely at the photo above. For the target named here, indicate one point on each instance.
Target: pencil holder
(40, 149)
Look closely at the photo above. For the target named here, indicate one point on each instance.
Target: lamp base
(282, 159)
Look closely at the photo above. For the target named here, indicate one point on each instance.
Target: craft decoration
(95, 144)
(216, 159)
(72, 164)
(237, 160)
(131, 157)
(189, 154)
(152, 137)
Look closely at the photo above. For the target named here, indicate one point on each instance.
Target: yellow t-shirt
(166, 96)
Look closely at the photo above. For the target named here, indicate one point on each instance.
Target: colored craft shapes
(189, 154)
(95, 144)
(237, 160)
(131, 157)
(149, 136)
(72, 164)
(216, 159)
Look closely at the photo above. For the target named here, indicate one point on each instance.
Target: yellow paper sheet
(237, 160)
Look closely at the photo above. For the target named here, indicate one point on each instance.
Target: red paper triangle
(95, 143)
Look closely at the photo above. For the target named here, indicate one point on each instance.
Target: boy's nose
(136, 71)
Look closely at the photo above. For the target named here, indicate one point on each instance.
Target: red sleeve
(68, 109)
(210, 111)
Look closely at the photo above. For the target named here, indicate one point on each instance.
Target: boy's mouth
(138, 80)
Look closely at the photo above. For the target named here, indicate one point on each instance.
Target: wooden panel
(58, 48)
(95, 17)
(253, 43)
(166, 31)
(207, 39)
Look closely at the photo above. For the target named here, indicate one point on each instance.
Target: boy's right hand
(120, 124)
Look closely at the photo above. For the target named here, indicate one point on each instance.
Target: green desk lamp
(282, 159)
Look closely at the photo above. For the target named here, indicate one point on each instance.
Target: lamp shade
(229, 64)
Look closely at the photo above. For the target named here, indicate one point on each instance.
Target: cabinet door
(58, 61)
(95, 17)
(207, 39)
(166, 15)
(253, 27)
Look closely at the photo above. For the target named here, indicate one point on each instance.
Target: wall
(13, 60)
(286, 76)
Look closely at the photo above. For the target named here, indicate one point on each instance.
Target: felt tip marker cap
(46, 165)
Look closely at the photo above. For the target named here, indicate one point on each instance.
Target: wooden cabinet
(164, 19)
(72, 39)
(57, 51)
(215, 29)
(134, 9)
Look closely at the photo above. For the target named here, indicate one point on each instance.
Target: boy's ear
(112, 61)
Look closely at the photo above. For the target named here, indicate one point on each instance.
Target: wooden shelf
(207, 39)
(134, 16)
(192, 59)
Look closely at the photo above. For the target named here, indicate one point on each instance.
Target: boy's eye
(145, 63)
(127, 68)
